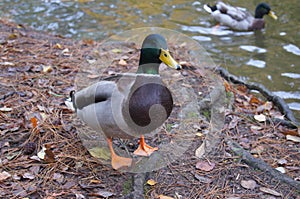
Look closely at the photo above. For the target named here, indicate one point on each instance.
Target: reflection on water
(270, 56)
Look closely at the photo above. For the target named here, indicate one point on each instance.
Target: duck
(130, 105)
(238, 18)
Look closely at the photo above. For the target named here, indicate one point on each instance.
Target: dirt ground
(42, 155)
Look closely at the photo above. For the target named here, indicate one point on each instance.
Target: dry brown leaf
(269, 191)
(258, 150)
(122, 62)
(58, 177)
(104, 194)
(28, 175)
(282, 161)
(248, 184)
(293, 138)
(47, 69)
(95, 181)
(203, 179)
(5, 109)
(164, 197)
(205, 166)
(4, 175)
(92, 76)
(33, 121)
(286, 131)
(254, 100)
(57, 45)
(151, 182)
(260, 118)
(233, 123)
(46, 154)
(265, 107)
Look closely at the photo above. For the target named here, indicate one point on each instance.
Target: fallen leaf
(233, 123)
(151, 182)
(4, 175)
(258, 150)
(7, 63)
(102, 153)
(12, 36)
(248, 184)
(95, 181)
(16, 177)
(28, 175)
(286, 131)
(57, 45)
(5, 109)
(91, 61)
(33, 121)
(205, 166)
(282, 161)
(260, 118)
(92, 76)
(46, 154)
(64, 51)
(269, 191)
(203, 179)
(69, 184)
(164, 197)
(281, 169)
(122, 62)
(79, 196)
(47, 69)
(104, 194)
(58, 177)
(254, 100)
(255, 128)
(35, 169)
(265, 107)
(115, 50)
(293, 138)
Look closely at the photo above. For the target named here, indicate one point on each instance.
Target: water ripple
(253, 49)
(292, 49)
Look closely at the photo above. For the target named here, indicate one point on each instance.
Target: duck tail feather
(69, 102)
(207, 8)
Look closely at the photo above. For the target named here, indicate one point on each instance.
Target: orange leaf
(242, 88)
(254, 100)
(33, 122)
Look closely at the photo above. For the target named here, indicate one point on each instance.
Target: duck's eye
(165, 55)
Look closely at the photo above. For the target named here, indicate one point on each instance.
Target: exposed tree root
(278, 101)
(260, 164)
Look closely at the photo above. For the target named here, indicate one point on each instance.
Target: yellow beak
(168, 59)
(272, 14)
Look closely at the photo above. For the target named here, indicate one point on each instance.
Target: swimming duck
(238, 18)
(131, 104)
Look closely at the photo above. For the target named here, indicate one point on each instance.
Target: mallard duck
(239, 19)
(132, 104)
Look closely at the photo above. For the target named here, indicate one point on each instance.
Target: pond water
(270, 56)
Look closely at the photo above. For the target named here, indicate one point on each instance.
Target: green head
(155, 51)
(264, 9)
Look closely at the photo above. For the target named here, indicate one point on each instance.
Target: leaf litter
(42, 156)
